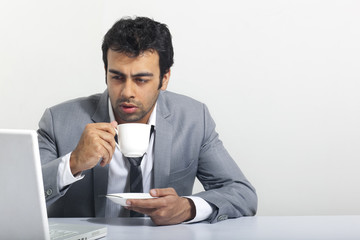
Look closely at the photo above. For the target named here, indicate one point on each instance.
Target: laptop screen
(22, 202)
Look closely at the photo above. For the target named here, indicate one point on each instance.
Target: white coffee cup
(133, 138)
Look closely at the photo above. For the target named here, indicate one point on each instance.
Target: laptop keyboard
(57, 233)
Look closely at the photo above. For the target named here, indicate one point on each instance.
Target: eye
(116, 77)
(141, 80)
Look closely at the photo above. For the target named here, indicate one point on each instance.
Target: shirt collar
(152, 119)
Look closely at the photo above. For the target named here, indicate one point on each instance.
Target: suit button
(48, 192)
(222, 218)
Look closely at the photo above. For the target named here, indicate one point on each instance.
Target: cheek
(151, 98)
(113, 89)
(112, 94)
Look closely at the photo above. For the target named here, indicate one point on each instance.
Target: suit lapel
(101, 113)
(100, 174)
(162, 144)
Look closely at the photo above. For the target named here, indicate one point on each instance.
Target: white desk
(277, 228)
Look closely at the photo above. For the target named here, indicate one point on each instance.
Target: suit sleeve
(49, 158)
(227, 189)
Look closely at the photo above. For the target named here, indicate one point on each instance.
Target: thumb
(162, 192)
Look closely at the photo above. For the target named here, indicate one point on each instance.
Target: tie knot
(135, 161)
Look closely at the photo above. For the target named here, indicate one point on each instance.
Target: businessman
(81, 164)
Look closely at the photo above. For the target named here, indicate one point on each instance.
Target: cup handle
(116, 142)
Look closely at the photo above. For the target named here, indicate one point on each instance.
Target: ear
(165, 79)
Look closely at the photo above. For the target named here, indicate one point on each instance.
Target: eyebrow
(141, 74)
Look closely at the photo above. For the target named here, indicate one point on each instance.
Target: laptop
(22, 200)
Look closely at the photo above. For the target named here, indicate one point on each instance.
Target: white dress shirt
(118, 180)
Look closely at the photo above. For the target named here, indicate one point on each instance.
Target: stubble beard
(132, 117)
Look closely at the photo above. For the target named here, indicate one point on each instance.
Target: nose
(128, 90)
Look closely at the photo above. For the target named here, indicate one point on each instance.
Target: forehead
(147, 58)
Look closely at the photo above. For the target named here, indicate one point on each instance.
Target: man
(81, 164)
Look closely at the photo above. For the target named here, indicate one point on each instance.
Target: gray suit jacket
(186, 146)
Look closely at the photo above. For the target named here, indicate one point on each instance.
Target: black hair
(135, 36)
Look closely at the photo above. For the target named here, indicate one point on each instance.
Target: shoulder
(177, 107)
(74, 114)
(179, 101)
(76, 104)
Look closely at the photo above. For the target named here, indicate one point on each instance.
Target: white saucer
(120, 198)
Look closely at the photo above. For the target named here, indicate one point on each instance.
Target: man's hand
(96, 142)
(168, 208)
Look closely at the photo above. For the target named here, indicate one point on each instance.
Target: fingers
(163, 197)
(104, 137)
(96, 142)
(168, 208)
(109, 138)
(146, 211)
(106, 151)
(108, 142)
(146, 203)
(114, 124)
(150, 207)
(106, 127)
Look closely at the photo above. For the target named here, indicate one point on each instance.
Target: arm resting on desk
(227, 189)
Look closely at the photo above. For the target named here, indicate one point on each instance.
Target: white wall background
(281, 79)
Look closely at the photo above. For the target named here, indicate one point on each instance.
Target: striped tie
(135, 175)
(136, 183)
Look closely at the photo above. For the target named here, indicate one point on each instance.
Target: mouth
(128, 108)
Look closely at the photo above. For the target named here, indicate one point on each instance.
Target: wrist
(73, 166)
(190, 212)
